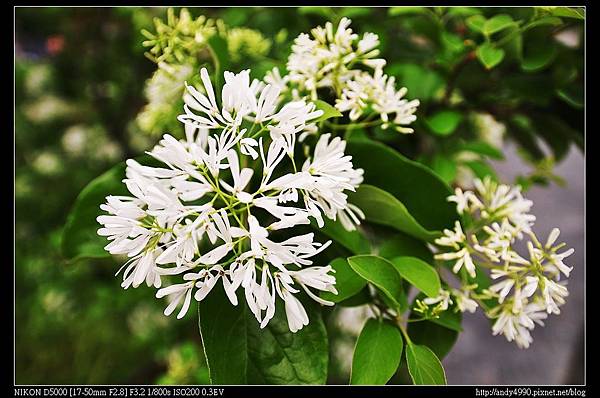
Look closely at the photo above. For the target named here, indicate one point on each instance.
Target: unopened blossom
(200, 215)
(442, 301)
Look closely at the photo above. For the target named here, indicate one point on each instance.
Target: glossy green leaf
(278, 356)
(438, 338)
(476, 22)
(377, 353)
(568, 12)
(328, 111)
(347, 282)
(462, 11)
(424, 366)
(383, 208)
(80, 238)
(445, 167)
(220, 55)
(544, 21)
(238, 351)
(381, 273)
(489, 56)
(420, 190)
(351, 240)
(401, 244)
(420, 274)
(497, 23)
(223, 329)
(444, 122)
(536, 57)
(361, 298)
(450, 320)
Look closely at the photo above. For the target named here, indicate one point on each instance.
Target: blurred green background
(80, 75)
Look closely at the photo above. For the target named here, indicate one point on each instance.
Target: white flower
(456, 239)
(241, 178)
(333, 173)
(325, 60)
(296, 314)
(377, 91)
(452, 238)
(196, 216)
(465, 201)
(556, 259)
(463, 300)
(317, 278)
(517, 326)
(500, 201)
(554, 295)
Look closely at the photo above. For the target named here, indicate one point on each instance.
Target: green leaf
(394, 11)
(568, 12)
(377, 353)
(347, 282)
(489, 55)
(381, 273)
(544, 21)
(536, 57)
(452, 42)
(424, 366)
(352, 12)
(351, 240)
(361, 298)
(476, 22)
(420, 274)
(238, 351)
(403, 245)
(383, 208)
(223, 329)
(462, 11)
(445, 167)
(80, 238)
(278, 356)
(328, 111)
(220, 55)
(482, 148)
(572, 95)
(450, 320)
(497, 23)
(422, 83)
(438, 338)
(444, 122)
(326, 12)
(421, 191)
(481, 169)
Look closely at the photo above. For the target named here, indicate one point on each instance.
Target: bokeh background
(80, 75)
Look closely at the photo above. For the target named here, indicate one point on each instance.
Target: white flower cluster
(208, 216)
(529, 287)
(333, 59)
